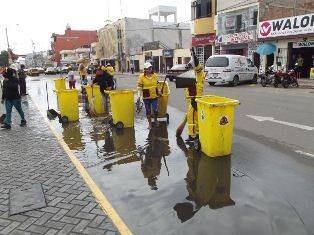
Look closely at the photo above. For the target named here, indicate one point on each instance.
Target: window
(250, 63)
(217, 62)
(239, 22)
(201, 9)
(254, 19)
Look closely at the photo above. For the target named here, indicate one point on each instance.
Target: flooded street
(160, 185)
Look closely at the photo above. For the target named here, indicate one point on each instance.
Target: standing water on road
(159, 185)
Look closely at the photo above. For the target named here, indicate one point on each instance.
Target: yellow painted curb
(99, 196)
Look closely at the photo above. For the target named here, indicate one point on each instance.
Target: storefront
(168, 56)
(203, 46)
(293, 37)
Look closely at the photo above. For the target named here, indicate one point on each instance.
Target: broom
(92, 110)
(181, 126)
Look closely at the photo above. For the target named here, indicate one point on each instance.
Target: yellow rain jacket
(148, 86)
(191, 94)
(108, 69)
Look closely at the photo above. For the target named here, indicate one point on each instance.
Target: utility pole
(9, 50)
(33, 47)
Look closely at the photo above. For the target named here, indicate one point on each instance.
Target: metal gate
(199, 51)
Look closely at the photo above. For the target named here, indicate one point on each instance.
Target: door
(241, 68)
(251, 69)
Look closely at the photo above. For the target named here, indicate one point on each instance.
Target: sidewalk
(306, 83)
(31, 155)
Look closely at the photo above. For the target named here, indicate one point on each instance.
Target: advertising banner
(296, 25)
(235, 38)
(203, 40)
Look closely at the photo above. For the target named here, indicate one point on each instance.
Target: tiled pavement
(32, 154)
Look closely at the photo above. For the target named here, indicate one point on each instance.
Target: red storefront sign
(208, 39)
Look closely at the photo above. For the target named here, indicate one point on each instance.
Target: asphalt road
(295, 106)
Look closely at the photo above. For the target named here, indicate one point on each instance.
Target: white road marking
(271, 119)
(304, 153)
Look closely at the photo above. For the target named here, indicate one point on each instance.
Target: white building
(122, 42)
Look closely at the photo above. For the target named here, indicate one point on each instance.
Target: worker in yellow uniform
(192, 93)
(147, 87)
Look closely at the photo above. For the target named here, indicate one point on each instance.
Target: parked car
(61, 70)
(90, 69)
(33, 72)
(41, 70)
(176, 70)
(51, 70)
(230, 69)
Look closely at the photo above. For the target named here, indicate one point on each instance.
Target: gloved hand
(194, 104)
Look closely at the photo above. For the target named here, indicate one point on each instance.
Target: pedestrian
(299, 65)
(11, 97)
(148, 90)
(192, 93)
(22, 80)
(83, 74)
(132, 68)
(71, 78)
(104, 79)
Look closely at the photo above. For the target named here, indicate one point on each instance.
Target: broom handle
(47, 95)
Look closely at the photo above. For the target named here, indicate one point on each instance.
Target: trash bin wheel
(167, 115)
(64, 120)
(119, 125)
(197, 145)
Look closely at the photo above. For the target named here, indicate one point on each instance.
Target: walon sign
(296, 25)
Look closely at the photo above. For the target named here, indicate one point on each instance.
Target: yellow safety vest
(197, 90)
(148, 86)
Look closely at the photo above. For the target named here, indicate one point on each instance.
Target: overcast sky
(36, 20)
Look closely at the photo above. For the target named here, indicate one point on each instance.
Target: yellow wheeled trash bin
(93, 94)
(59, 84)
(68, 104)
(215, 121)
(122, 107)
(163, 100)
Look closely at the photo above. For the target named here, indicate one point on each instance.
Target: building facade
(123, 42)
(71, 40)
(203, 27)
(289, 26)
(237, 23)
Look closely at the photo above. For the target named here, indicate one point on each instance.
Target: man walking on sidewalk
(22, 80)
(11, 97)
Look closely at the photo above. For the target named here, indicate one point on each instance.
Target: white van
(231, 69)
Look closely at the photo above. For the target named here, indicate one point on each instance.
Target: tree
(4, 58)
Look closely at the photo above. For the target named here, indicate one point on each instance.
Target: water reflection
(120, 147)
(157, 148)
(207, 182)
(72, 135)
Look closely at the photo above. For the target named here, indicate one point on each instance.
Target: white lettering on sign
(303, 44)
(303, 24)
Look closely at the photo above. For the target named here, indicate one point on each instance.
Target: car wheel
(235, 81)
(212, 83)
(254, 80)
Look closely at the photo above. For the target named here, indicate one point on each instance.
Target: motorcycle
(285, 78)
(290, 79)
(267, 77)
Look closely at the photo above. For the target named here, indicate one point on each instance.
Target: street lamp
(9, 50)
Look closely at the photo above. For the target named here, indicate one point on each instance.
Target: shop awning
(266, 49)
